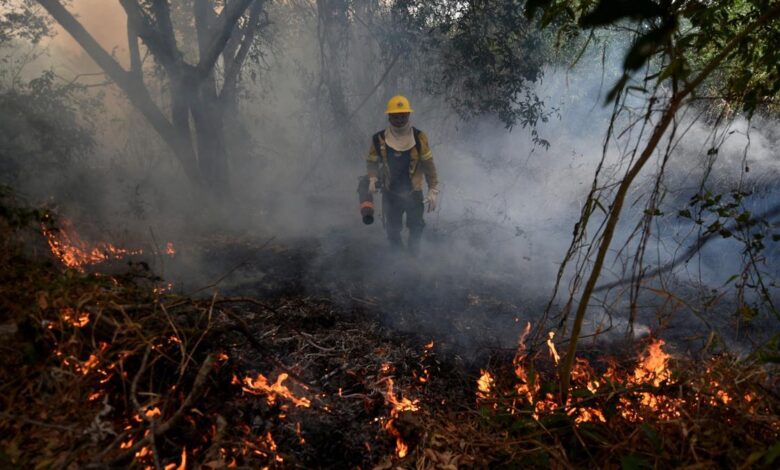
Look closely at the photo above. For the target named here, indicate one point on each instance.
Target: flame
(89, 364)
(551, 346)
(583, 373)
(484, 384)
(76, 319)
(182, 465)
(638, 399)
(72, 251)
(404, 404)
(653, 367)
(163, 289)
(260, 385)
(527, 385)
(586, 414)
(397, 406)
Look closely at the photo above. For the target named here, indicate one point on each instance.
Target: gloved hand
(430, 199)
(372, 185)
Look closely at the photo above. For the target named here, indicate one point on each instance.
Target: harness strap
(417, 143)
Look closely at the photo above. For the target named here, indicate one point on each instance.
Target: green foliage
(725, 216)
(680, 37)
(40, 129)
(485, 57)
(728, 217)
(20, 20)
(17, 216)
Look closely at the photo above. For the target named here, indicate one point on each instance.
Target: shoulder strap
(417, 143)
(377, 145)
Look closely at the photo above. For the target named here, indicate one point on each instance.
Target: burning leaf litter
(74, 252)
(153, 379)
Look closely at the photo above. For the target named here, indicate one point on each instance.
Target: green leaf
(670, 70)
(772, 454)
(633, 462)
(653, 437)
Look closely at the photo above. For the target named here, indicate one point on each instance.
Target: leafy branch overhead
(677, 38)
(483, 57)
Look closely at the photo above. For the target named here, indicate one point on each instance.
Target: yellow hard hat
(398, 104)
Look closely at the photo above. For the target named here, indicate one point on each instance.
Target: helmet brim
(394, 111)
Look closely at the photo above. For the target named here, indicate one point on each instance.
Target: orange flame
(484, 384)
(260, 385)
(404, 404)
(74, 252)
(653, 368)
(182, 465)
(76, 319)
(551, 346)
(527, 386)
(398, 406)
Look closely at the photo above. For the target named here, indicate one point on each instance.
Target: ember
(74, 318)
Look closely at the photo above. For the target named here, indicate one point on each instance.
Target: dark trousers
(394, 206)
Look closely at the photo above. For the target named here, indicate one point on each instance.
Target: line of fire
(389, 234)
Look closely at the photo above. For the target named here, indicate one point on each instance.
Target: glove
(430, 199)
(372, 185)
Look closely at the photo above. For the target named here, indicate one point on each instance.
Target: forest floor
(287, 365)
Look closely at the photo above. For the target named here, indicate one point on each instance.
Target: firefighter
(398, 159)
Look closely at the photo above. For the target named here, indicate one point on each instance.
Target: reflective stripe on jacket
(421, 162)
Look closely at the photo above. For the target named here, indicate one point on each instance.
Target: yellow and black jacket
(421, 162)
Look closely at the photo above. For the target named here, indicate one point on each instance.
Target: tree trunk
(207, 113)
(208, 117)
(193, 87)
(130, 84)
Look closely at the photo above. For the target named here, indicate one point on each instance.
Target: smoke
(106, 23)
(490, 253)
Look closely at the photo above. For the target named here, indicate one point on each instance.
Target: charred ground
(106, 366)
